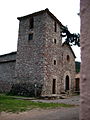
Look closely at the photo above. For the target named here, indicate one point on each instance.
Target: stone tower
(39, 52)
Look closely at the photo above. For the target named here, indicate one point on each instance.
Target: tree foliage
(72, 39)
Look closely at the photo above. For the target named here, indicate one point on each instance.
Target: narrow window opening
(55, 26)
(30, 36)
(54, 86)
(54, 62)
(55, 41)
(68, 58)
(31, 24)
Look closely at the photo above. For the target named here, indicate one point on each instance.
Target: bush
(26, 89)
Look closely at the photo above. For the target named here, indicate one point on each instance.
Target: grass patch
(9, 104)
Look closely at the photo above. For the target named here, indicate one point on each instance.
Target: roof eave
(41, 12)
(70, 48)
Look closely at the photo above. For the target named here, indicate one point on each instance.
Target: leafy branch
(72, 39)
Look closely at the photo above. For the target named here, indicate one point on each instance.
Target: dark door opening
(77, 85)
(54, 86)
(67, 82)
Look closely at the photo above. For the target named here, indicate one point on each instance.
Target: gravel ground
(71, 100)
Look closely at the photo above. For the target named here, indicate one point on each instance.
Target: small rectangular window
(55, 27)
(30, 36)
(31, 24)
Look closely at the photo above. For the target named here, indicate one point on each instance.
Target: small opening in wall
(68, 58)
(30, 36)
(55, 41)
(31, 23)
(55, 27)
(54, 62)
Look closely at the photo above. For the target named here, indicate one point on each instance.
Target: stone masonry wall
(51, 53)
(30, 53)
(7, 70)
(68, 67)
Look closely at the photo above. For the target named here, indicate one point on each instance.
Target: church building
(41, 60)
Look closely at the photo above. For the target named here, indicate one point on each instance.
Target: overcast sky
(65, 10)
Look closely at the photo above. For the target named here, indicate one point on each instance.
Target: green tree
(72, 39)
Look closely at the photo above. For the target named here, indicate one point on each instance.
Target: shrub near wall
(26, 89)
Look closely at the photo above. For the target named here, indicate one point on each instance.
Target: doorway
(67, 83)
(77, 88)
(54, 86)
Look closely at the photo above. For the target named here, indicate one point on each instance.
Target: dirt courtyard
(39, 114)
(48, 114)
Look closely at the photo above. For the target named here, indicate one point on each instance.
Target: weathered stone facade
(68, 66)
(7, 71)
(41, 58)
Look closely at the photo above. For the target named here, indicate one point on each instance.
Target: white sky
(65, 10)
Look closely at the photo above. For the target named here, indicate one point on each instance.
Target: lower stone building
(77, 77)
(42, 65)
(57, 85)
